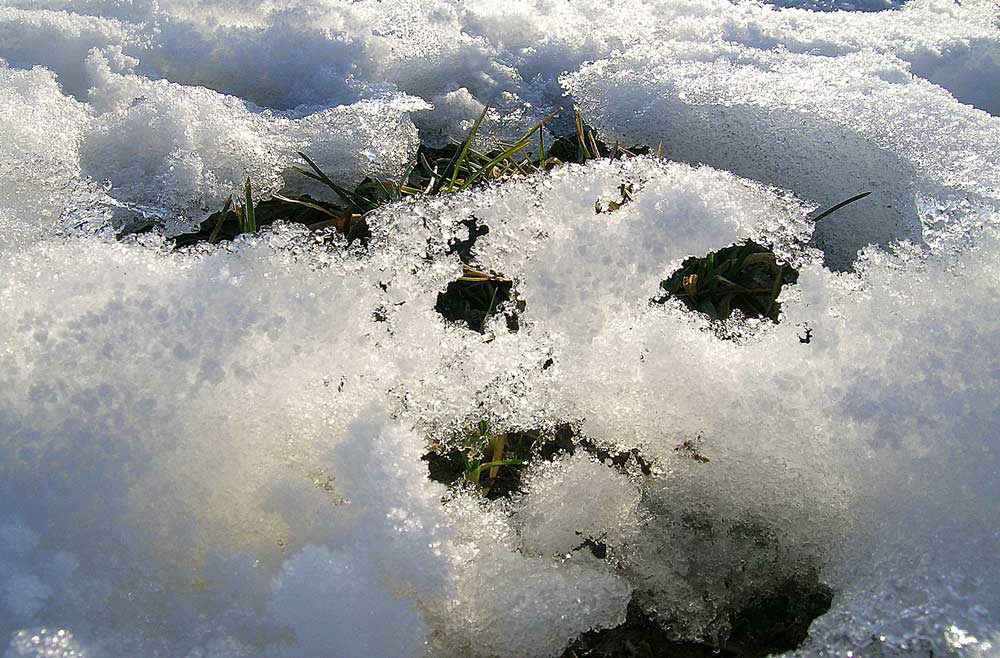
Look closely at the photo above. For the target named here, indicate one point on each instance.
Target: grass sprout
(460, 166)
(484, 457)
(245, 215)
(745, 276)
(354, 199)
(456, 167)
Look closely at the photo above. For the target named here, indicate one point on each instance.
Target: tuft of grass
(745, 276)
(491, 458)
(245, 215)
(234, 220)
(585, 145)
(456, 167)
(459, 166)
(484, 453)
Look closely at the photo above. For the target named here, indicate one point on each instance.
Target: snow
(216, 453)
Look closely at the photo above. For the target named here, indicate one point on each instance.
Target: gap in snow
(217, 453)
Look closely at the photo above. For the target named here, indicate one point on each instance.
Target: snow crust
(216, 452)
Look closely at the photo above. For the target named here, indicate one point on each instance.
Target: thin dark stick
(841, 205)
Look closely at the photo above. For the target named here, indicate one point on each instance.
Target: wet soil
(774, 622)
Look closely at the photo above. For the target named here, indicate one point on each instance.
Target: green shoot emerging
(488, 459)
(744, 276)
(456, 167)
(245, 214)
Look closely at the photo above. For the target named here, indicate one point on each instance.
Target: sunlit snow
(216, 453)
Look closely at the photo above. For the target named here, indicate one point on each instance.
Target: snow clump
(217, 452)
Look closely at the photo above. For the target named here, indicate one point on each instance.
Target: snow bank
(217, 452)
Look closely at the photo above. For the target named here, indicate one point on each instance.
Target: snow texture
(216, 452)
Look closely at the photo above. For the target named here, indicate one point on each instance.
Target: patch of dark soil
(779, 621)
(775, 622)
(560, 441)
(807, 335)
(221, 226)
(445, 467)
(692, 448)
(597, 548)
(637, 637)
(464, 247)
(476, 296)
(565, 439)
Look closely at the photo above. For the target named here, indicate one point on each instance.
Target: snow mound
(217, 452)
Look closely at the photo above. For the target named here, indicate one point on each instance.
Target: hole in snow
(476, 296)
(738, 584)
(745, 277)
(467, 457)
(774, 622)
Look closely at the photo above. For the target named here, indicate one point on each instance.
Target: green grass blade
(387, 192)
(406, 177)
(353, 198)
(319, 175)
(502, 462)
(516, 148)
(431, 172)
(517, 166)
(213, 238)
(250, 214)
(307, 204)
(541, 139)
(478, 158)
(443, 177)
(465, 147)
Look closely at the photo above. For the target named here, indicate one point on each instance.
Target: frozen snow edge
(179, 433)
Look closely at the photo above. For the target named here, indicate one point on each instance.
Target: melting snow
(216, 453)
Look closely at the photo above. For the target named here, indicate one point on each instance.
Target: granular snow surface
(216, 452)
